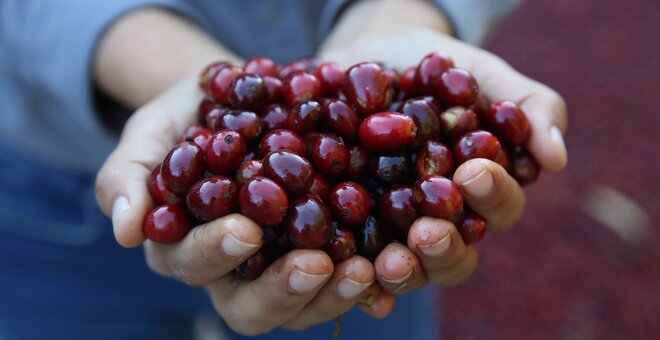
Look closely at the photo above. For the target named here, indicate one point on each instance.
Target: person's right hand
(299, 290)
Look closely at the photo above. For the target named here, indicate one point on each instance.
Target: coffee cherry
(219, 86)
(476, 144)
(182, 167)
(158, 191)
(225, 152)
(274, 90)
(256, 264)
(282, 140)
(472, 228)
(330, 156)
(434, 159)
(166, 224)
(205, 106)
(294, 173)
(407, 82)
(391, 169)
(248, 92)
(358, 162)
(304, 117)
(387, 131)
(342, 244)
(370, 239)
(457, 121)
(305, 64)
(263, 201)
(509, 122)
(207, 74)
(320, 187)
(248, 170)
(308, 224)
(300, 87)
(503, 159)
(274, 117)
(457, 87)
(349, 203)
(198, 134)
(397, 211)
(425, 116)
(331, 76)
(261, 66)
(247, 123)
(367, 88)
(430, 70)
(437, 196)
(524, 167)
(212, 198)
(340, 119)
(190, 131)
(213, 116)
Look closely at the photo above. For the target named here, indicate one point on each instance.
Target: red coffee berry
(387, 131)
(457, 87)
(331, 75)
(370, 239)
(225, 152)
(274, 116)
(391, 169)
(294, 173)
(434, 159)
(340, 119)
(262, 67)
(213, 116)
(273, 89)
(308, 223)
(503, 159)
(248, 92)
(304, 117)
(524, 167)
(349, 203)
(472, 228)
(320, 187)
(300, 87)
(263, 201)
(330, 155)
(248, 170)
(407, 82)
(256, 264)
(281, 139)
(476, 144)
(182, 167)
(188, 133)
(509, 122)
(205, 106)
(166, 224)
(367, 88)
(342, 244)
(457, 121)
(437, 196)
(429, 71)
(293, 67)
(219, 86)
(158, 191)
(397, 211)
(207, 74)
(358, 164)
(198, 134)
(247, 123)
(425, 116)
(212, 198)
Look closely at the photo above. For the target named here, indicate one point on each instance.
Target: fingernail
(555, 135)
(235, 247)
(349, 289)
(480, 185)
(399, 281)
(302, 282)
(436, 249)
(118, 209)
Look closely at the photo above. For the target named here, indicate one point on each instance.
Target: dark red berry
(349, 203)
(434, 159)
(281, 139)
(358, 162)
(166, 224)
(397, 211)
(225, 152)
(308, 224)
(330, 155)
(342, 244)
(437, 196)
(476, 144)
(273, 89)
(248, 92)
(367, 87)
(249, 170)
(261, 66)
(387, 131)
(407, 82)
(205, 106)
(320, 187)
(472, 228)
(331, 75)
(304, 117)
(256, 264)
(457, 121)
(274, 116)
(219, 87)
(503, 159)
(300, 87)
(247, 123)
(190, 131)
(263, 201)
(524, 167)
(425, 116)
(213, 116)
(430, 70)
(212, 198)
(457, 87)
(509, 122)
(391, 169)
(159, 192)
(340, 119)
(370, 239)
(294, 173)
(182, 167)
(293, 67)
(199, 136)
(206, 76)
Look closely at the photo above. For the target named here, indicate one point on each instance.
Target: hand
(435, 251)
(297, 291)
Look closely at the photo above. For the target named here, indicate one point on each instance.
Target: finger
(121, 190)
(441, 251)
(376, 302)
(398, 270)
(208, 252)
(349, 280)
(545, 108)
(490, 191)
(276, 297)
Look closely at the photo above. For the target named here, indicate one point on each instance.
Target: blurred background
(584, 263)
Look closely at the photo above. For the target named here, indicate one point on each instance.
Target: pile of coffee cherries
(324, 157)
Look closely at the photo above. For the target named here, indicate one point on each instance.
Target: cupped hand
(435, 251)
(299, 290)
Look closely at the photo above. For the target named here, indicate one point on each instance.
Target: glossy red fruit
(391, 169)
(434, 159)
(476, 144)
(370, 239)
(247, 123)
(212, 198)
(197, 134)
(262, 67)
(358, 164)
(282, 140)
(188, 133)
(225, 152)
(249, 170)
(342, 244)
(320, 187)
(407, 82)
(273, 89)
(182, 167)
(256, 264)
(213, 116)
(263, 201)
(349, 203)
(291, 171)
(300, 87)
(457, 121)
(340, 119)
(205, 106)
(308, 223)
(274, 116)
(304, 117)
(430, 70)
(219, 86)
(425, 116)
(387, 131)
(330, 155)
(457, 87)
(473, 228)
(159, 192)
(524, 167)
(331, 75)
(166, 224)
(207, 74)
(437, 196)
(367, 88)
(248, 92)
(397, 210)
(509, 122)
(504, 159)
(293, 67)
